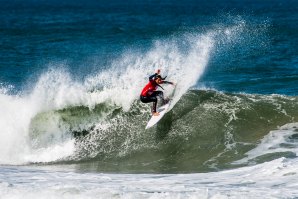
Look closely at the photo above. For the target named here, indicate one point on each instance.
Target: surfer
(150, 92)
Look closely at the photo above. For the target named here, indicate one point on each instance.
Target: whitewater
(274, 179)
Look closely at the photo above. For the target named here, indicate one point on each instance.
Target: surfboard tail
(154, 119)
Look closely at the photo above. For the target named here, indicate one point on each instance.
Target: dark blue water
(86, 36)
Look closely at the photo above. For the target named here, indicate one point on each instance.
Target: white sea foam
(275, 179)
(275, 142)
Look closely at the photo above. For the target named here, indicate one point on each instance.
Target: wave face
(205, 131)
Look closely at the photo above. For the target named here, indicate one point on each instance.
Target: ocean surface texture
(72, 125)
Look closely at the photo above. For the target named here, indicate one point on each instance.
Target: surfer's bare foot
(155, 114)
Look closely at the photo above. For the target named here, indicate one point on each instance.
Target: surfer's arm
(167, 82)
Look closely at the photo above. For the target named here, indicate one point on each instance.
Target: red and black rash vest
(149, 88)
(152, 86)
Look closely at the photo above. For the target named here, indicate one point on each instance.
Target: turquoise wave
(205, 131)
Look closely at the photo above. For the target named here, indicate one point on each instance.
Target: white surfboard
(162, 111)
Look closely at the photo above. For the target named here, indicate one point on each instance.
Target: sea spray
(14, 122)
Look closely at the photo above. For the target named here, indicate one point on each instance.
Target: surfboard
(162, 111)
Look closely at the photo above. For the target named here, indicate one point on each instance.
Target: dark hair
(158, 76)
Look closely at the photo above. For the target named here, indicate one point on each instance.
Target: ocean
(72, 125)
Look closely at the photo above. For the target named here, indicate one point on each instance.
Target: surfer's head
(158, 79)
